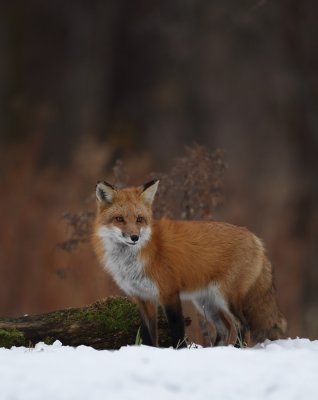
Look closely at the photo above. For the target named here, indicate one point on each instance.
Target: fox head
(124, 215)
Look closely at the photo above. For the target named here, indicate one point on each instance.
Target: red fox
(221, 267)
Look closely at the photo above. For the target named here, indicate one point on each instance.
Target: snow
(285, 369)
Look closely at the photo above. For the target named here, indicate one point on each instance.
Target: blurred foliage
(80, 225)
(192, 189)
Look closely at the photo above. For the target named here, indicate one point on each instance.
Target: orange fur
(186, 257)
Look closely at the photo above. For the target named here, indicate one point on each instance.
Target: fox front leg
(148, 331)
(173, 310)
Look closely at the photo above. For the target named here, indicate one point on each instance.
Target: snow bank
(285, 369)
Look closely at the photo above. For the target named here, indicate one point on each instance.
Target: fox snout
(134, 238)
(138, 238)
(117, 235)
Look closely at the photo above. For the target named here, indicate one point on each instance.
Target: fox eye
(119, 219)
(140, 219)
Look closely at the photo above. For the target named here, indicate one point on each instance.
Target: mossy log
(106, 324)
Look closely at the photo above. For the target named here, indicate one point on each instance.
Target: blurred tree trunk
(82, 101)
(303, 112)
(300, 215)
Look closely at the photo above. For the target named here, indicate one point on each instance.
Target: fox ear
(105, 192)
(149, 191)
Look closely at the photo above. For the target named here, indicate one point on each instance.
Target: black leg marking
(175, 319)
(145, 335)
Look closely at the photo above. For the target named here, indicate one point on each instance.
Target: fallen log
(107, 324)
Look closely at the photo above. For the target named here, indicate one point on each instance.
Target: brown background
(85, 83)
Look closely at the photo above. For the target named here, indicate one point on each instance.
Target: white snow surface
(284, 369)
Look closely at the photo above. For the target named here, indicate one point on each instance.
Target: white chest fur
(123, 262)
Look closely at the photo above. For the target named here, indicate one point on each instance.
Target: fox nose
(134, 238)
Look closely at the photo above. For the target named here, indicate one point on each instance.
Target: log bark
(106, 324)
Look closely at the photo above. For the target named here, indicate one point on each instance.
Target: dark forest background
(84, 83)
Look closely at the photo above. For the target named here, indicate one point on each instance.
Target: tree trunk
(106, 324)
